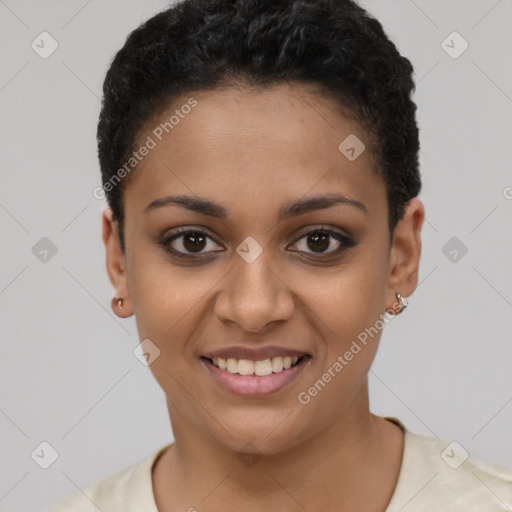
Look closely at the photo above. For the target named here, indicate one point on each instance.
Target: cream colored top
(435, 476)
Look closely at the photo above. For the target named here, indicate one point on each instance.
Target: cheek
(167, 312)
(353, 297)
(350, 310)
(351, 307)
(170, 303)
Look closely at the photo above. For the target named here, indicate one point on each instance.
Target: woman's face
(258, 278)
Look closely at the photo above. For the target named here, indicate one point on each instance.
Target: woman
(260, 162)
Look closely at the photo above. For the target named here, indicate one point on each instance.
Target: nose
(254, 295)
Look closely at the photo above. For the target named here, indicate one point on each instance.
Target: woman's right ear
(116, 264)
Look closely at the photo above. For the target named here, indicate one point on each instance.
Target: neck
(332, 469)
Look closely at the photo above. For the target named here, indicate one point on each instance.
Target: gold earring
(118, 302)
(402, 301)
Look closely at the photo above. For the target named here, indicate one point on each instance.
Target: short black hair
(199, 45)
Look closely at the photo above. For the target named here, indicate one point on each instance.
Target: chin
(260, 431)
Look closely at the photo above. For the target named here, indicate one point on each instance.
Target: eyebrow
(287, 210)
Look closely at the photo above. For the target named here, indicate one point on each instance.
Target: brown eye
(194, 242)
(320, 240)
(189, 242)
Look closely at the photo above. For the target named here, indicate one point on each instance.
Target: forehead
(245, 147)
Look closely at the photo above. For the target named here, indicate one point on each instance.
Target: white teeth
(259, 368)
(277, 364)
(232, 365)
(263, 368)
(245, 367)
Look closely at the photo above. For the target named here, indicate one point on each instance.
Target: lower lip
(254, 385)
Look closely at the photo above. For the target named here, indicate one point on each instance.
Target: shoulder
(126, 490)
(103, 495)
(437, 474)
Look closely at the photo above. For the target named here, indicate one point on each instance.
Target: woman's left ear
(406, 251)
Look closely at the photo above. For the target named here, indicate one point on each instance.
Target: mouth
(255, 378)
(259, 368)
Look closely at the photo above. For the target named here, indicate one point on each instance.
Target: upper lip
(254, 354)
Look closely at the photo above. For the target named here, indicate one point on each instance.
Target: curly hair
(199, 45)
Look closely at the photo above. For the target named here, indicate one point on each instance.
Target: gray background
(68, 375)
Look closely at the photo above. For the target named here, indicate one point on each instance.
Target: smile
(255, 378)
(259, 368)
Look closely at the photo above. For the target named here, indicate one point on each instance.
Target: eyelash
(346, 242)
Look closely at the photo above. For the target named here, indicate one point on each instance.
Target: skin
(252, 151)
